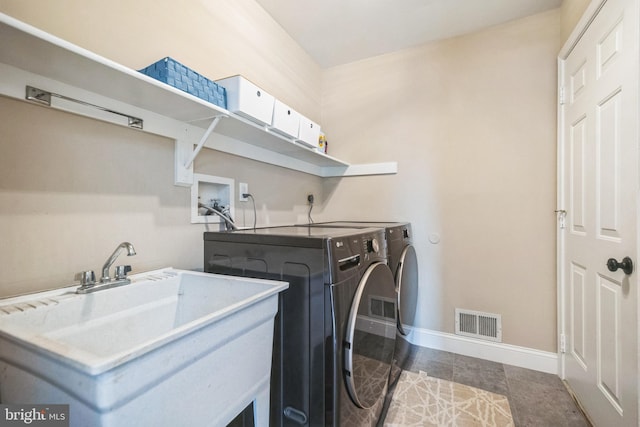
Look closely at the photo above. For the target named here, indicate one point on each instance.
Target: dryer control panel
(372, 245)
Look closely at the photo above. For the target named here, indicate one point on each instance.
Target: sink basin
(174, 347)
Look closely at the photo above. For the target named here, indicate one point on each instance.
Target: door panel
(609, 367)
(578, 314)
(576, 180)
(599, 190)
(607, 170)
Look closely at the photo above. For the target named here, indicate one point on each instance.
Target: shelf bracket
(185, 155)
(204, 138)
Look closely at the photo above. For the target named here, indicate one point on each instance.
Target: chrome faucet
(88, 280)
(224, 214)
(107, 265)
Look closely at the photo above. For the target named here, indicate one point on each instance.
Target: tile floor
(536, 399)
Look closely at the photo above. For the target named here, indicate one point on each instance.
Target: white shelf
(29, 56)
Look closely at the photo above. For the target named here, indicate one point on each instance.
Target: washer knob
(372, 245)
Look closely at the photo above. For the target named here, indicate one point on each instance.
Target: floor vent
(486, 326)
(382, 308)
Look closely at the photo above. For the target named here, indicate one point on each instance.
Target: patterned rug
(423, 401)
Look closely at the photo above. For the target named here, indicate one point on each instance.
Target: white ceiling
(335, 32)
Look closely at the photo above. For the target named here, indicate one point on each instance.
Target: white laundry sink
(172, 348)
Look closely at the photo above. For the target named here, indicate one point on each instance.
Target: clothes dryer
(402, 259)
(327, 368)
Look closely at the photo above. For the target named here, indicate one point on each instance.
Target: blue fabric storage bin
(173, 73)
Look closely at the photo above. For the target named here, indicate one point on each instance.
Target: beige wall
(471, 121)
(570, 13)
(72, 188)
(218, 38)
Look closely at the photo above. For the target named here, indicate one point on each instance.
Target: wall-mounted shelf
(31, 57)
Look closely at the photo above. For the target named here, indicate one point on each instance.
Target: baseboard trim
(380, 327)
(523, 357)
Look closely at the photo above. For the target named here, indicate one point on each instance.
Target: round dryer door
(369, 344)
(407, 287)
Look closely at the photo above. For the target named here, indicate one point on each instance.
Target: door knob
(626, 265)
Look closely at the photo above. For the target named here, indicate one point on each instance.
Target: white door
(598, 135)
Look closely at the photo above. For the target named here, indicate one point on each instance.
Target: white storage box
(286, 120)
(248, 100)
(309, 132)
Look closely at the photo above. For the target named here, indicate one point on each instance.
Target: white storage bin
(248, 100)
(286, 120)
(309, 132)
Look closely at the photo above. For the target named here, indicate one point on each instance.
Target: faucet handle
(121, 271)
(87, 278)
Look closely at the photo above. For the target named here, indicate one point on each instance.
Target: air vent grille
(487, 326)
(382, 308)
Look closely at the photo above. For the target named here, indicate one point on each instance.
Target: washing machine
(402, 259)
(330, 367)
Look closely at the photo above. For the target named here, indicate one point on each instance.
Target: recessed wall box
(286, 120)
(309, 132)
(248, 100)
(211, 190)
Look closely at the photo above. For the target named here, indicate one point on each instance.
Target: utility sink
(174, 347)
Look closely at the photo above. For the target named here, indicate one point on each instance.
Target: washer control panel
(358, 250)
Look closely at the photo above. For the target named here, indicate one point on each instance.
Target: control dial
(373, 246)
